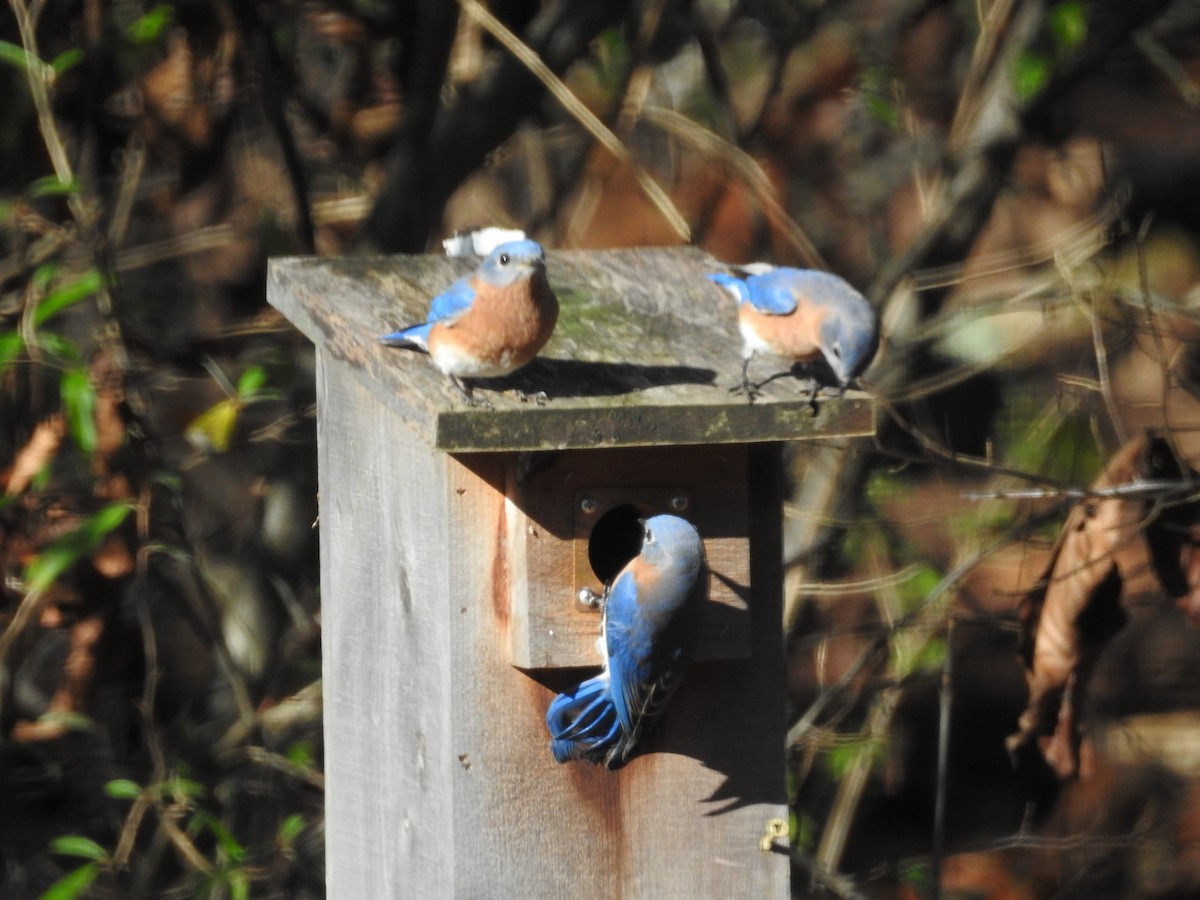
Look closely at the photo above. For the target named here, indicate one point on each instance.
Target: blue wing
(773, 293)
(733, 284)
(630, 642)
(452, 302)
(449, 304)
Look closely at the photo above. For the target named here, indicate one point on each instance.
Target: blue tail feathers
(583, 723)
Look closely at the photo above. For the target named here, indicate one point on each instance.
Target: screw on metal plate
(589, 599)
(679, 502)
(588, 505)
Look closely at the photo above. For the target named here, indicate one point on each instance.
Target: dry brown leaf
(41, 447)
(75, 689)
(1101, 553)
(995, 875)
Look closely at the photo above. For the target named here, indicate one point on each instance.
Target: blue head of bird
(849, 339)
(512, 261)
(671, 542)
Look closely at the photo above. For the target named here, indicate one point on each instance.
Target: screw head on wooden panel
(588, 598)
(588, 505)
(679, 503)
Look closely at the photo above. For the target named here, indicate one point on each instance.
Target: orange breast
(796, 336)
(503, 330)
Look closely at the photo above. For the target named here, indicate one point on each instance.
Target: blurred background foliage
(1013, 183)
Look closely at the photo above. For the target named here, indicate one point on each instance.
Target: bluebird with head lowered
(652, 617)
(489, 323)
(803, 315)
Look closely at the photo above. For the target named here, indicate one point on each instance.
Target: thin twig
(747, 169)
(834, 589)
(834, 882)
(1150, 489)
(572, 104)
(133, 162)
(150, 678)
(39, 91)
(945, 701)
(211, 237)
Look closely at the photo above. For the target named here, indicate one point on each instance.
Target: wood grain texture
(644, 354)
(439, 779)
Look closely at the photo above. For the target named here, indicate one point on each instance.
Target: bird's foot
(469, 395)
(540, 398)
(750, 391)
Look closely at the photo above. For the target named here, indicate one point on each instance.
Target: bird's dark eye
(504, 259)
(649, 536)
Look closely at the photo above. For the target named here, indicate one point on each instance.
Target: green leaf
(75, 721)
(917, 875)
(11, 344)
(876, 85)
(79, 404)
(301, 753)
(1059, 441)
(52, 186)
(168, 480)
(931, 656)
(58, 346)
(839, 759)
(18, 57)
(183, 788)
(916, 590)
(67, 60)
(68, 295)
(149, 28)
(1068, 23)
(290, 828)
(43, 274)
(804, 831)
(239, 885)
(73, 884)
(68, 549)
(883, 111)
(1031, 75)
(78, 845)
(213, 428)
(228, 843)
(252, 379)
(123, 789)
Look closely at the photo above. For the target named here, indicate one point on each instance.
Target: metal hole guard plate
(726, 548)
(592, 504)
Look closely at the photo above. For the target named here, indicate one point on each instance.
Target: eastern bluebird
(652, 618)
(489, 323)
(803, 314)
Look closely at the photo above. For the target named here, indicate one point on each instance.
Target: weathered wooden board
(645, 352)
(440, 782)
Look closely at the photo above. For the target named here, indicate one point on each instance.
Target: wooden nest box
(456, 543)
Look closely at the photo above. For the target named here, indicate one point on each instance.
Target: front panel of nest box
(574, 521)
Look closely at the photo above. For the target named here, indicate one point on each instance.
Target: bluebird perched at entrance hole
(489, 323)
(652, 618)
(803, 315)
